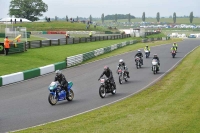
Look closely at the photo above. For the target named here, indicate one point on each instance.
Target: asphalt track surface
(25, 104)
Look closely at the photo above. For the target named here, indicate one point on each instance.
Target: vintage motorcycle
(122, 75)
(58, 94)
(106, 87)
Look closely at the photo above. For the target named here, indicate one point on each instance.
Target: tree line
(33, 9)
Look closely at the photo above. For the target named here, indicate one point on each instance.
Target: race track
(25, 104)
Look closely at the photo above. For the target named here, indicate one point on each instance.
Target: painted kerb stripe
(0, 81)
(31, 73)
(60, 65)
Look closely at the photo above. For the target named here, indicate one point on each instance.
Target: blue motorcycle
(58, 94)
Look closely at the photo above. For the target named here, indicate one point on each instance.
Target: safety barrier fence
(62, 41)
(70, 61)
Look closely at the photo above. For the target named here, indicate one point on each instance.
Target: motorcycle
(58, 94)
(106, 87)
(155, 67)
(138, 62)
(122, 75)
(147, 53)
(173, 53)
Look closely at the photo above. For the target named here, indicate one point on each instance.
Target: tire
(102, 91)
(137, 65)
(51, 98)
(120, 79)
(70, 96)
(154, 70)
(114, 91)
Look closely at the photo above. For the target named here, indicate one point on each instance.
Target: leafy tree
(129, 17)
(158, 17)
(56, 18)
(90, 18)
(115, 17)
(102, 18)
(29, 9)
(143, 17)
(174, 17)
(191, 17)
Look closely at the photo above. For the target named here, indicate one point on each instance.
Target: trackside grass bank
(169, 106)
(38, 57)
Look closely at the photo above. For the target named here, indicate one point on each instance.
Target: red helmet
(106, 68)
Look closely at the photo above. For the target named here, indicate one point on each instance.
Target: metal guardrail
(63, 41)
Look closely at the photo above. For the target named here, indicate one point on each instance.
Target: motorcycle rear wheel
(113, 90)
(52, 99)
(70, 96)
(102, 91)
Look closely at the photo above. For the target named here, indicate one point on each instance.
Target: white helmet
(58, 72)
(121, 60)
(139, 51)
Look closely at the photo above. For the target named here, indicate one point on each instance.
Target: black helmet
(155, 55)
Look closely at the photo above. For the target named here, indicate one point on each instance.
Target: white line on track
(118, 99)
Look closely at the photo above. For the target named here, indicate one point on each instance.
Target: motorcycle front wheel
(52, 99)
(120, 79)
(102, 91)
(70, 96)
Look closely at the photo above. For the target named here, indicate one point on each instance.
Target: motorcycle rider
(173, 48)
(176, 45)
(122, 64)
(147, 48)
(155, 56)
(61, 79)
(140, 55)
(109, 75)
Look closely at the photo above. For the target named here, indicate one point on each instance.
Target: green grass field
(58, 26)
(169, 106)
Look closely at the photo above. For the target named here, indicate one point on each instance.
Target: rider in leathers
(122, 64)
(139, 54)
(109, 75)
(61, 79)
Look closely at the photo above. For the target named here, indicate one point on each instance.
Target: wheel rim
(102, 91)
(53, 99)
(71, 95)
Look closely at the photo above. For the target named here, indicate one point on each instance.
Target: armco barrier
(28, 74)
(11, 78)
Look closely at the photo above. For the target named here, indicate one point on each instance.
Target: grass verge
(169, 106)
(38, 57)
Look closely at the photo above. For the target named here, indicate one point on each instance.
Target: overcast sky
(85, 8)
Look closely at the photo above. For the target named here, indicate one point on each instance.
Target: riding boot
(128, 75)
